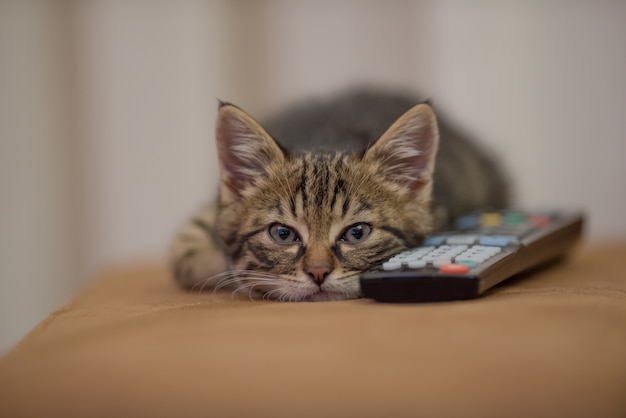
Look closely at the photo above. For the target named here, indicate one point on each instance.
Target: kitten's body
(347, 183)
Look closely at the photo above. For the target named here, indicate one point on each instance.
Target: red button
(454, 268)
(540, 220)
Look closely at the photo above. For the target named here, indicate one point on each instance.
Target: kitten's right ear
(245, 150)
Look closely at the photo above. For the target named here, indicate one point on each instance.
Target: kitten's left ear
(406, 152)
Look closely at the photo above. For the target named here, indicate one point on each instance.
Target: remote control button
(491, 219)
(445, 252)
(468, 263)
(477, 254)
(467, 222)
(413, 254)
(420, 251)
(416, 264)
(435, 241)
(454, 268)
(540, 220)
(498, 240)
(515, 218)
(468, 259)
(486, 248)
(462, 239)
(392, 265)
(441, 262)
(401, 258)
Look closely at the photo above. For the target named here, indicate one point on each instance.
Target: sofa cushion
(552, 343)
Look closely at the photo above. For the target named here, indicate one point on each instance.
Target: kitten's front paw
(195, 257)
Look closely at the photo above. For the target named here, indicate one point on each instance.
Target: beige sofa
(551, 344)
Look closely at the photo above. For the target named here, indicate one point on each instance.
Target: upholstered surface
(133, 344)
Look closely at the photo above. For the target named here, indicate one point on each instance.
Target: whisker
(226, 278)
(244, 279)
(269, 295)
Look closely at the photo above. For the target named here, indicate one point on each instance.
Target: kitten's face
(303, 227)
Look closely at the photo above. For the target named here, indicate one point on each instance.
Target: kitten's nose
(318, 273)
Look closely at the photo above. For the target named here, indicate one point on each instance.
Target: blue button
(498, 240)
(467, 222)
(435, 241)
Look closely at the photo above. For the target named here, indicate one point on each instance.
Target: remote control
(482, 250)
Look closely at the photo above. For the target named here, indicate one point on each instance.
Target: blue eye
(283, 234)
(356, 233)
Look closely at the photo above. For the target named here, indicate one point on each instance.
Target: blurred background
(107, 111)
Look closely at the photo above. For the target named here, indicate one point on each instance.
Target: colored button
(435, 241)
(468, 263)
(498, 240)
(490, 219)
(515, 218)
(540, 220)
(462, 239)
(467, 222)
(454, 269)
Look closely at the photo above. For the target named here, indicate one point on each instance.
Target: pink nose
(317, 273)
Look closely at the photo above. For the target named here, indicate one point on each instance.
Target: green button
(515, 218)
(468, 263)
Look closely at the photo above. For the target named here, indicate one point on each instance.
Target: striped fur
(386, 185)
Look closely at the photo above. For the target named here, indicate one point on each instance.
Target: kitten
(327, 191)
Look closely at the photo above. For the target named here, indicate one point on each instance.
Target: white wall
(38, 269)
(108, 107)
(289, 50)
(146, 93)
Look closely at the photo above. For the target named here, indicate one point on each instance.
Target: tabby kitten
(336, 188)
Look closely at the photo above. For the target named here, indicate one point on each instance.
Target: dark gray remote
(483, 250)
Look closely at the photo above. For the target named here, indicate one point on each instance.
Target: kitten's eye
(283, 234)
(356, 233)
